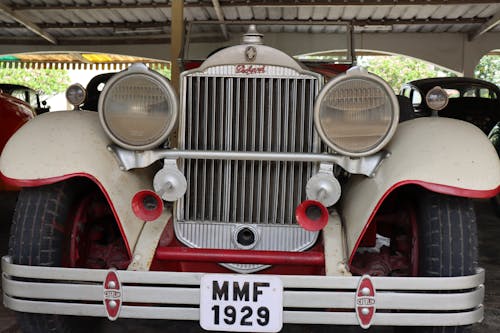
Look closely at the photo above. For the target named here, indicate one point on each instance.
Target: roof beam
(108, 40)
(26, 22)
(485, 27)
(246, 3)
(359, 23)
(157, 24)
(220, 17)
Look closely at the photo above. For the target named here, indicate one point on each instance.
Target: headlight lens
(437, 98)
(138, 108)
(76, 94)
(356, 114)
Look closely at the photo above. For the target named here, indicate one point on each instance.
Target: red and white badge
(112, 295)
(365, 302)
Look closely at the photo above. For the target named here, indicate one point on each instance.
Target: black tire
(38, 238)
(447, 242)
(495, 202)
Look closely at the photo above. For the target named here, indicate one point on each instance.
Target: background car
(14, 113)
(27, 95)
(494, 137)
(472, 100)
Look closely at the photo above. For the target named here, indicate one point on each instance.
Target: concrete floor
(489, 245)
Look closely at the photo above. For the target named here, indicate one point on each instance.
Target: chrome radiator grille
(246, 114)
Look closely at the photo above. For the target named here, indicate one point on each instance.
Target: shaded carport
(451, 33)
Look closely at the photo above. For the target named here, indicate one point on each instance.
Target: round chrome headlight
(76, 94)
(138, 108)
(437, 98)
(356, 113)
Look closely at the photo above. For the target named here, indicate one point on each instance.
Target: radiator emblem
(250, 69)
(112, 295)
(365, 302)
(250, 53)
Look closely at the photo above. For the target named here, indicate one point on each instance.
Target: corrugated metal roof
(88, 22)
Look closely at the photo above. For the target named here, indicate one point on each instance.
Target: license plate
(241, 303)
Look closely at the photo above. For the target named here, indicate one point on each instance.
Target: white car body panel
(444, 155)
(60, 145)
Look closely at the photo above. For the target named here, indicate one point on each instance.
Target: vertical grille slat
(293, 123)
(247, 114)
(243, 204)
(228, 146)
(269, 131)
(237, 189)
(285, 114)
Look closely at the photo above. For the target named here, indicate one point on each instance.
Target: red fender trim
(438, 188)
(53, 180)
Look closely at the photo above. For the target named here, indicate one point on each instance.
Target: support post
(177, 27)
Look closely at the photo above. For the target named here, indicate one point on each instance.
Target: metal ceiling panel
(139, 18)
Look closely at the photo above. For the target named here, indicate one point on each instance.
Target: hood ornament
(252, 36)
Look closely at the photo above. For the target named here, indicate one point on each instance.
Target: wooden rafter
(485, 27)
(26, 22)
(220, 17)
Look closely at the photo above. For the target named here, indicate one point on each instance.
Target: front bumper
(399, 301)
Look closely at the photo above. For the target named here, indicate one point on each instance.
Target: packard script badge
(250, 53)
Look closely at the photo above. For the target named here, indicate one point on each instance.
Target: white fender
(61, 145)
(443, 155)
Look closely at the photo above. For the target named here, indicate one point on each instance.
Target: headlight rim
(357, 73)
(140, 69)
(81, 88)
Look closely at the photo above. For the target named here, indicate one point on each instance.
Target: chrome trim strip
(190, 296)
(289, 281)
(290, 317)
(175, 295)
(140, 159)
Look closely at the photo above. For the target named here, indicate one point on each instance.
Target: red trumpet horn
(147, 205)
(311, 215)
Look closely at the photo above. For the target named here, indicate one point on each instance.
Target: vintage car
(13, 114)
(27, 95)
(472, 100)
(259, 197)
(494, 137)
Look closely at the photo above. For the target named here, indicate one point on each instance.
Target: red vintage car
(13, 114)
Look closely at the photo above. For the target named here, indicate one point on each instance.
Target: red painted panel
(309, 258)
(13, 114)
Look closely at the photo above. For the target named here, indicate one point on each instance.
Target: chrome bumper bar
(399, 301)
(129, 160)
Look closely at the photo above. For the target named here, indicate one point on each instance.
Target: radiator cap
(252, 36)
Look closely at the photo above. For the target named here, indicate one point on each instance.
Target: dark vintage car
(472, 100)
(494, 137)
(27, 95)
(13, 114)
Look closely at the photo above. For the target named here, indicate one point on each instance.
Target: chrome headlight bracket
(128, 160)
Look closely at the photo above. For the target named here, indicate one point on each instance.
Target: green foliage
(397, 70)
(488, 69)
(45, 81)
(167, 72)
